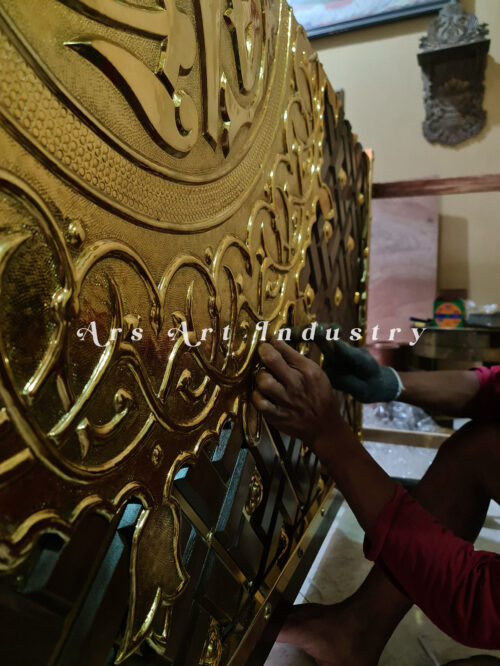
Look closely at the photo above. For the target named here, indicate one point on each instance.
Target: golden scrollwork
(284, 543)
(129, 133)
(153, 592)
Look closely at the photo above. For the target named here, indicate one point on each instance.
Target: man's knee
(475, 439)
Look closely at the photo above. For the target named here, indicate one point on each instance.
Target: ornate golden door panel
(166, 167)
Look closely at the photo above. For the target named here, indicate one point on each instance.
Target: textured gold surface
(156, 582)
(161, 167)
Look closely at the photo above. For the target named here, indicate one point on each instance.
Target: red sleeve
(457, 587)
(487, 401)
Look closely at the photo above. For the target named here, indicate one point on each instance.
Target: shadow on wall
(454, 253)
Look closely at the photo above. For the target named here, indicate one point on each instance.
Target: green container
(449, 314)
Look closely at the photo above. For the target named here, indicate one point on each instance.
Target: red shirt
(488, 399)
(457, 587)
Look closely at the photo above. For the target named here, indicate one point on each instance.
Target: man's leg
(456, 489)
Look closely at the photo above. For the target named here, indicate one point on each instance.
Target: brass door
(166, 167)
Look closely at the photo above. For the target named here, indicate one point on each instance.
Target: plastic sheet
(472, 307)
(400, 416)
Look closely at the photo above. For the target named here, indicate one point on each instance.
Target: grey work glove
(353, 369)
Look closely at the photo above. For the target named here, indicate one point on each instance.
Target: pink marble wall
(403, 264)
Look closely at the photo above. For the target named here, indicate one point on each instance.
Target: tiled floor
(340, 567)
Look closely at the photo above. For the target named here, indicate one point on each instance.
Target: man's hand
(294, 394)
(354, 370)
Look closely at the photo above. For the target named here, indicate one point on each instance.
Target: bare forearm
(447, 391)
(364, 484)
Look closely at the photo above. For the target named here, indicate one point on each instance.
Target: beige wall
(377, 67)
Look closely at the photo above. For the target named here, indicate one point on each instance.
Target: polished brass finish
(157, 531)
(327, 231)
(284, 542)
(161, 172)
(212, 651)
(255, 493)
(245, 648)
(309, 296)
(342, 177)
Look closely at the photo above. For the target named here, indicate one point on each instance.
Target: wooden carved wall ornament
(172, 174)
(453, 62)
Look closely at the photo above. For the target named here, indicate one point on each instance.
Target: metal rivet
(300, 553)
(327, 231)
(309, 295)
(342, 176)
(76, 233)
(268, 609)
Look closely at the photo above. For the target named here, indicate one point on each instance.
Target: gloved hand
(353, 369)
